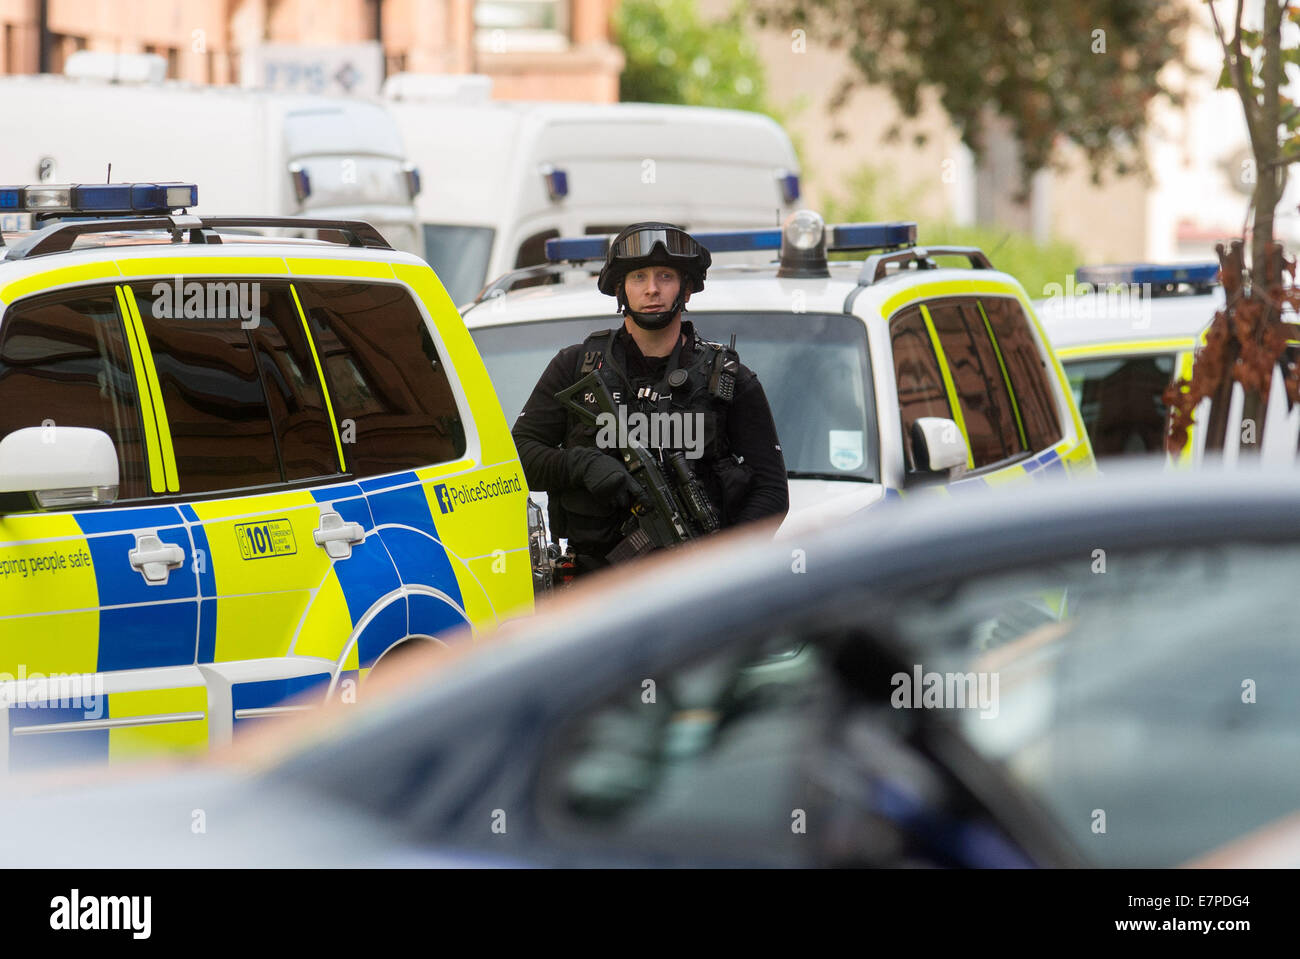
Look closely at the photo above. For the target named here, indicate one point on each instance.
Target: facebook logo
(444, 498)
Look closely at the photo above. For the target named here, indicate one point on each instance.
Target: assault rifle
(678, 509)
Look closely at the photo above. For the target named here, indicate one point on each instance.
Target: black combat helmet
(653, 244)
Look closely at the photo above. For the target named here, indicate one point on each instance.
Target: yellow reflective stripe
(1133, 346)
(320, 373)
(48, 279)
(157, 476)
(1185, 363)
(948, 384)
(302, 266)
(155, 391)
(1015, 407)
(927, 291)
(215, 261)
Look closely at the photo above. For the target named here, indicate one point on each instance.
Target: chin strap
(653, 321)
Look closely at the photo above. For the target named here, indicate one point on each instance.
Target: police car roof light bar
(99, 199)
(1194, 274)
(843, 237)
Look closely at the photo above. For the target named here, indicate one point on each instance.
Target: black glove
(603, 476)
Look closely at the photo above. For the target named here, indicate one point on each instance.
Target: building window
(506, 26)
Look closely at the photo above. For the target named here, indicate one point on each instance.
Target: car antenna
(109, 177)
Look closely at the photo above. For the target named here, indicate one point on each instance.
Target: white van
(501, 178)
(254, 152)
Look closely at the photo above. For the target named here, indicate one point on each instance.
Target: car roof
(1070, 323)
(232, 247)
(729, 288)
(686, 605)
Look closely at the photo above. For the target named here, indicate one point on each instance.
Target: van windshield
(459, 255)
(814, 369)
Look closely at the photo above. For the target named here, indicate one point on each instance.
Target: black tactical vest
(683, 389)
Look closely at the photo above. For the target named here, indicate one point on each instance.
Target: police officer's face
(652, 289)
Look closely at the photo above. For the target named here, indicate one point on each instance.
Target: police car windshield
(459, 255)
(815, 372)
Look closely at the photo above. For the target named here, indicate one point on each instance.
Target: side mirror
(62, 465)
(938, 444)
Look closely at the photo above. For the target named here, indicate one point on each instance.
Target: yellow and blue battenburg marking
(402, 580)
(256, 611)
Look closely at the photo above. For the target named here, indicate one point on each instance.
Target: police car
(232, 469)
(1123, 333)
(885, 375)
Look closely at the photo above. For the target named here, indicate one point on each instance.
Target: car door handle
(337, 535)
(155, 559)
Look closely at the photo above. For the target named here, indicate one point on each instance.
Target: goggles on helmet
(641, 243)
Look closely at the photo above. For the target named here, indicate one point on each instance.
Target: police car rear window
(63, 362)
(222, 432)
(388, 384)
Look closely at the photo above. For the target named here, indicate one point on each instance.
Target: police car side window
(388, 385)
(1034, 396)
(991, 426)
(916, 373)
(63, 360)
(221, 430)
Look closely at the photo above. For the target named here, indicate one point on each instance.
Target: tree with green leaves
(1247, 340)
(1084, 70)
(672, 56)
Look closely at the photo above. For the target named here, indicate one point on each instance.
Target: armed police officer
(717, 424)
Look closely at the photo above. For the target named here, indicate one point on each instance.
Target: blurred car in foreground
(1072, 674)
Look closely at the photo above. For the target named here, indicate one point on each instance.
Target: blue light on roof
(789, 183)
(557, 182)
(871, 236)
(846, 236)
(106, 198)
(10, 198)
(739, 241)
(577, 248)
(1200, 274)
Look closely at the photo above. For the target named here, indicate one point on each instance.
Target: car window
(814, 369)
(387, 382)
(1121, 401)
(916, 371)
(706, 757)
(303, 432)
(1148, 700)
(221, 429)
(1034, 399)
(63, 362)
(986, 406)
(460, 256)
